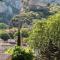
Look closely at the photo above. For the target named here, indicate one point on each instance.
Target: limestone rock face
(9, 8)
(44, 1)
(41, 4)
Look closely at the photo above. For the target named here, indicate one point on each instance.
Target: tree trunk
(19, 37)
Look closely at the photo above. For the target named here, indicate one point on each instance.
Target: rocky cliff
(9, 8)
(44, 1)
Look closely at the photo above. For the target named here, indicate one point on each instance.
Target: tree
(45, 31)
(54, 30)
(27, 17)
(24, 32)
(18, 21)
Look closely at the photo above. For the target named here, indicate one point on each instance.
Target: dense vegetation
(3, 26)
(45, 37)
(19, 53)
(40, 29)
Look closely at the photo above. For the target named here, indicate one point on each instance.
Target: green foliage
(45, 31)
(54, 8)
(4, 35)
(3, 26)
(25, 17)
(11, 34)
(38, 34)
(9, 51)
(52, 52)
(54, 30)
(24, 32)
(21, 19)
(19, 53)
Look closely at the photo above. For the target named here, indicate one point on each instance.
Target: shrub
(11, 32)
(19, 53)
(3, 26)
(44, 31)
(25, 32)
(4, 35)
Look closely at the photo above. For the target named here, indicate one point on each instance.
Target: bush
(25, 32)
(4, 35)
(3, 26)
(20, 54)
(11, 32)
(44, 31)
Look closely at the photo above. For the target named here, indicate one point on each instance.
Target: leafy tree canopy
(46, 30)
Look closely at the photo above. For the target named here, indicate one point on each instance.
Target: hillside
(44, 1)
(9, 8)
